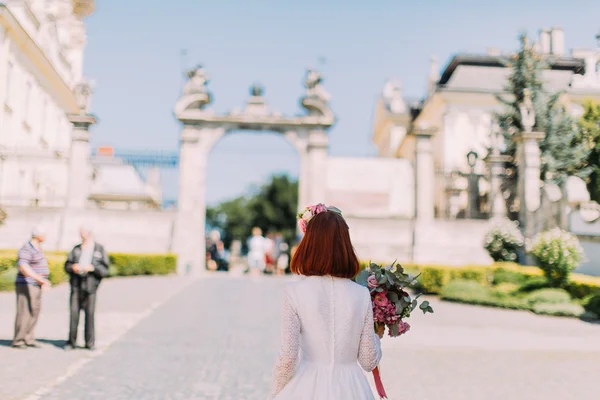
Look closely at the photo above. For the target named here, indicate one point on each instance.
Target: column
(78, 189)
(189, 243)
(496, 163)
(425, 174)
(316, 158)
(529, 185)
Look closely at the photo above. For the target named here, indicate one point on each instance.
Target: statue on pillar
(392, 94)
(527, 112)
(197, 81)
(316, 100)
(314, 87)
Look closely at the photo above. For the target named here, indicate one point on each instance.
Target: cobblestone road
(217, 339)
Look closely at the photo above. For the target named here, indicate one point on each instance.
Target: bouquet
(392, 304)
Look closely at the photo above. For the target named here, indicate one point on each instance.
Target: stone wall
(371, 187)
(458, 242)
(119, 231)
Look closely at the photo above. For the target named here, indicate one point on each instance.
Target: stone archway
(202, 129)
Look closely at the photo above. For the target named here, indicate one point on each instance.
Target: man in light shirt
(87, 264)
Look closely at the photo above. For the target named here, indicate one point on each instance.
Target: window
(26, 111)
(9, 76)
(43, 119)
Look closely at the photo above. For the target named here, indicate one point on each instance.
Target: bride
(327, 327)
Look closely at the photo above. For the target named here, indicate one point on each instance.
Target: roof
(119, 180)
(574, 65)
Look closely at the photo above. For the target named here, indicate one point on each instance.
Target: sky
(134, 59)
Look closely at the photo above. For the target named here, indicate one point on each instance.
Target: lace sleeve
(290, 343)
(369, 350)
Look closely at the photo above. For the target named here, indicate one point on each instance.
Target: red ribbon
(379, 384)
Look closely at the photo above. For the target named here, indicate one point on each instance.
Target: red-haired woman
(327, 316)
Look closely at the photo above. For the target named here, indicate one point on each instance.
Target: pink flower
(403, 327)
(381, 300)
(302, 225)
(317, 209)
(372, 282)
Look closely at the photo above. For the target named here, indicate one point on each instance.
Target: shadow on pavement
(56, 343)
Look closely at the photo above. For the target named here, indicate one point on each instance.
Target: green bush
(502, 275)
(475, 293)
(534, 284)
(7, 263)
(57, 271)
(142, 264)
(557, 253)
(504, 241)
(506, 289)
(592, 304)
(548, 296)
(7, 280)
(559, 309)
(435, 277)
(464, 288)
(121, 265)
(581, 286)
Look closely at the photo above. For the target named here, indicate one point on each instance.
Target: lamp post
(473, 189)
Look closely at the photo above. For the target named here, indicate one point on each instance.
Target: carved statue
(83, 95)
(314, 88)
(527, 112)
(392, 94)
(197, 81)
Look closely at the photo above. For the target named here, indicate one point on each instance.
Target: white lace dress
(327, 337)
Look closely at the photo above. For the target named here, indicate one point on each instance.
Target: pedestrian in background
(32, 278)
(86, 265)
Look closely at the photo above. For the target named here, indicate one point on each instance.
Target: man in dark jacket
(87, 264)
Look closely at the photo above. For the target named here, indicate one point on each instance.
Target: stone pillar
(425, 174)
(299, 141)
(190, 241)
(78, 189)
(496, 164)
(190, 233)
(529, 184)
(303, 181)
(317, 167)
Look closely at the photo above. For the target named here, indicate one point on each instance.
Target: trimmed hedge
(142, 264)
(548, 296)
(559, 310)
(435, 277)
(470, 292)
(121, 265)
(592, 304)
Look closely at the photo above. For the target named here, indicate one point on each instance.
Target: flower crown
(309, 213)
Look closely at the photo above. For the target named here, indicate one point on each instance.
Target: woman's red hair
(326, 249)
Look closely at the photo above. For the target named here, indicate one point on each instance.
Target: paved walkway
(217, 339)
(122, 303)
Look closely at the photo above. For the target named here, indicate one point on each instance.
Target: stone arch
(202, 129)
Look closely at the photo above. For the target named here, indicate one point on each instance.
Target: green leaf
(413, 305)
(362, 277)
(393, 297)
(424, 305)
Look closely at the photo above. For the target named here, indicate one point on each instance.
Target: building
(42, 44)
(41, 62)
(460, 107)
(459, 110)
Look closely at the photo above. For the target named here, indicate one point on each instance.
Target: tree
(562, 152)
(590, 137)
(272, 208)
